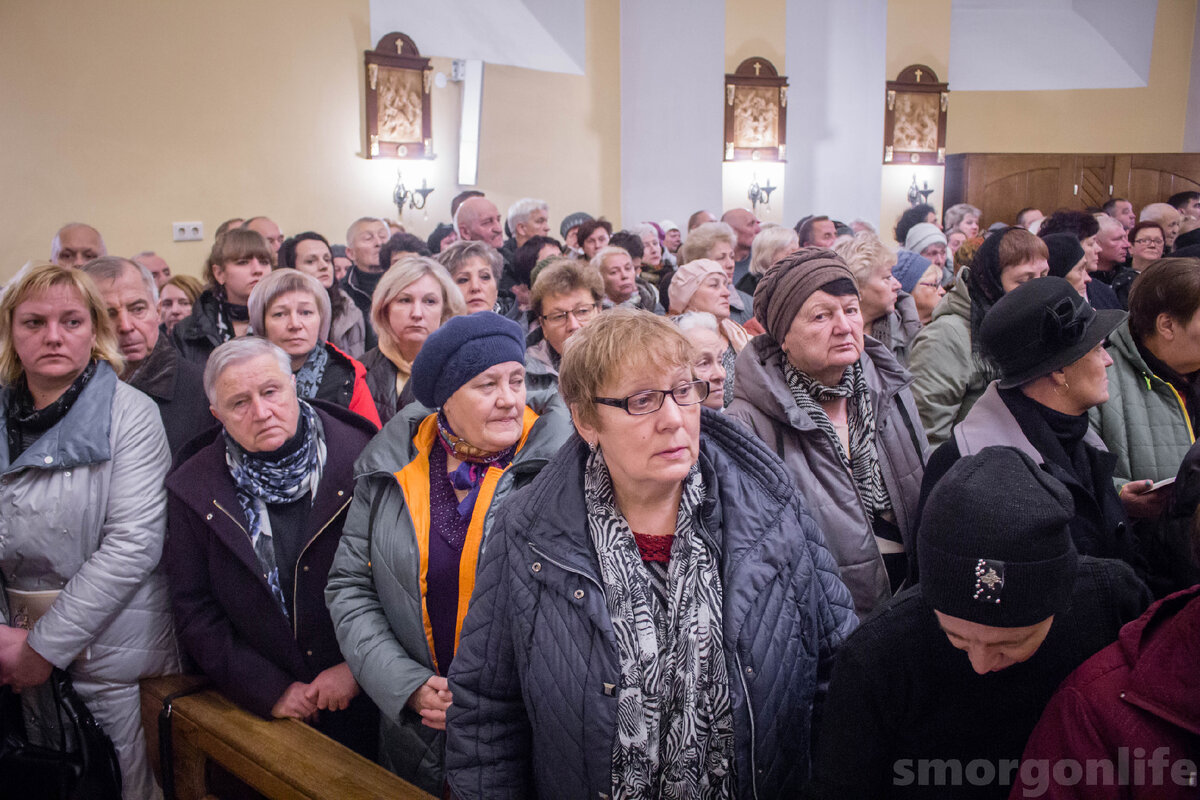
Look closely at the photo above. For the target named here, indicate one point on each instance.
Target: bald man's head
(478, 220)
(75, 244)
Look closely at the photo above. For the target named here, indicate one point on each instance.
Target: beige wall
(133, 115)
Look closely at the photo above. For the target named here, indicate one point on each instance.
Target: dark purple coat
(225, 616)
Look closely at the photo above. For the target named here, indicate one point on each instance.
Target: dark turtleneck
(26, 424)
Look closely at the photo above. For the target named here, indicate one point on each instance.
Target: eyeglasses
(930, 285)
(581, 314)
(651, 400)
(1158, 242)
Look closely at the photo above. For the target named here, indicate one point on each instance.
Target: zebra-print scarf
(863, 460)
(674, 714)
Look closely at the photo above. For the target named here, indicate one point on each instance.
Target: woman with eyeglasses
(566, 296)
(1048, 344)
(425, 505)
(836, 407)
(652, 614)
(1146, 243)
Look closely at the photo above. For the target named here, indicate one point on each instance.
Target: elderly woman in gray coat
(837, 409)
(81, 484)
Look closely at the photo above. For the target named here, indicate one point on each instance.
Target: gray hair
(361, 221)
(1106, 220)
(691, 320)
(643, 229)
(454, 256)
(520, 211)
(955, 214)
(237, 351)
(701, 240)
(110, 268)
(767, 244)
(278, 283)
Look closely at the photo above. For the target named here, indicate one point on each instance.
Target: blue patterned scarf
(261, 482)
(308, 379)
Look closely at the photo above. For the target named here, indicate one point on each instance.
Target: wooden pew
(281, 758)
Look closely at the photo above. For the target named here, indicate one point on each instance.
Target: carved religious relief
(915, 117)
(399, 120)
(755, 112)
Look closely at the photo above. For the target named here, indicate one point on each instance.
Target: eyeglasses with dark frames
(651, 400)
(581, 314)
(1158, 242)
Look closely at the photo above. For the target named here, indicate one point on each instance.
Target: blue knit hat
(909, 268)
(461, 349)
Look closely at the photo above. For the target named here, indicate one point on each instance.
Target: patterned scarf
(468, 475)
(674, 713)
(261, 482)
(308, 379)
(863, 460)
(228, 313)
(26, 424)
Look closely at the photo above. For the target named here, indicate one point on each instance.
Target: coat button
(208, 516)
(340, 493)
(306, 568)
(67, 473)
(48, 459)
(308, 652)
(749, 670)
(579, 594)
(536, 566)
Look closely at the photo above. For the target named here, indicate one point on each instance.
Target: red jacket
(1135, 704)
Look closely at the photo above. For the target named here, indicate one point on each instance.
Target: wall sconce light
(917, 196)
(760, 194)
(415, 198)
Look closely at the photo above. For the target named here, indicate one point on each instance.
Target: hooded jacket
(947, 375)
(763, 401)
(535, 706)
(375, 591)
(84, 513)
(1136, 695)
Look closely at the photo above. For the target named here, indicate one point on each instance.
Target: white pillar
(672, 120)
(836, 68)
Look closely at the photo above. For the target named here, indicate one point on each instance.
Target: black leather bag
(84, 769)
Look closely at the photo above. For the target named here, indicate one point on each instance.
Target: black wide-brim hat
(1042, 326)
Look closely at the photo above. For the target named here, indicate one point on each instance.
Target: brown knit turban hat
(790, 281)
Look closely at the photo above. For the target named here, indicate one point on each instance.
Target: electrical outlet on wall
(187, 231)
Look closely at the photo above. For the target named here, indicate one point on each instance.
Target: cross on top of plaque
(757, 67)
(919, 73)
(400, 50)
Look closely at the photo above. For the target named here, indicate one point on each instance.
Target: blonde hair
(613, 345)
(408, 269)
(703, 238)
(863, 253)
(764, 250)
(38, 278)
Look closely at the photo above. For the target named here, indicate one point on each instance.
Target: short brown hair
(1168, 286)
(612, 345)
(1019, 246)
(563, 276)
(234, 245)
(36, 278)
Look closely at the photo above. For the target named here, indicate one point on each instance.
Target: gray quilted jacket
(84, 512)
(763, 401)
(535, 707)
(1143, 422)
(374, 588)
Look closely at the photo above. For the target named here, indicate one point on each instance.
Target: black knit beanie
(993, 546)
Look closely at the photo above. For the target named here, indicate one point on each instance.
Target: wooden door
(1093, 186)
(1001, 184)
(1144, 178)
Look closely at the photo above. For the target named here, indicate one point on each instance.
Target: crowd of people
(727, 510)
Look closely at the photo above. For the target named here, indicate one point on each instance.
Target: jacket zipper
(232, 518)
(564, 567)
(753, 734)
(296, 569)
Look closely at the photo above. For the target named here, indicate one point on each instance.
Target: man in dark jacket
(151, 363)
(255, 514)
(364, 239)
(936, 695)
